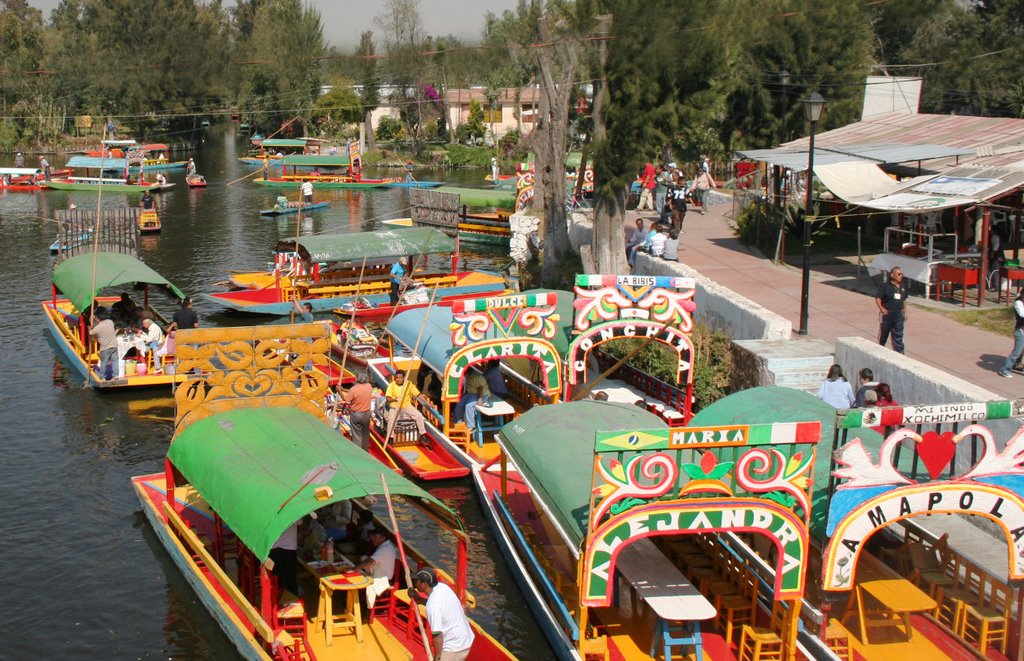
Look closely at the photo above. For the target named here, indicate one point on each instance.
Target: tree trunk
(558, 69)
(371, 140)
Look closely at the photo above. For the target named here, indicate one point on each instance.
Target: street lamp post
(813, 106)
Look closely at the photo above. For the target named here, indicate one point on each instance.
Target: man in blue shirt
(397, 273)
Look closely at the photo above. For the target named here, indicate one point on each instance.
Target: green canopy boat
(483, 197)
(245, 463)
(379, 244)
(74, 277)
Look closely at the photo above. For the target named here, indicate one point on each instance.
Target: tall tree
(369, 80)
(402, 26)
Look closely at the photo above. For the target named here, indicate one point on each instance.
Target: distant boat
(195, 181)
(292, 208)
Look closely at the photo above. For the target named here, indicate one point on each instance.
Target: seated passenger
(495, 379)
(476, 389)
(400, 395)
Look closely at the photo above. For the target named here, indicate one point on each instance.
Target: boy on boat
(307, 192)
(400, 395)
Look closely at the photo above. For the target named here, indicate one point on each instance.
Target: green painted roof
(553, 447)
(74, 277)
(283, 142)
(324, 161)
(379, 244)
(779, 404)
(436, 346)
(247, 462)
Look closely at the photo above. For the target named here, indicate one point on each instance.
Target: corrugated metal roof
(878, 153)
(999, 180)
(796, 160)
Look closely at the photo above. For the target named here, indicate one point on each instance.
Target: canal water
(82, 575)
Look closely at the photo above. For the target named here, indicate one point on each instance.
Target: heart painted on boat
(936, 451)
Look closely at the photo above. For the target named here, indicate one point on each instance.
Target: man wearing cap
(451, 634)
(19, 160)
(380, 565)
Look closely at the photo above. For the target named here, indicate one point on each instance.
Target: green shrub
(712, 362)
(389, 128)
(8, 136)
(463, 156)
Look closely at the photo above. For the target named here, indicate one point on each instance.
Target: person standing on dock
(892, 310)
(307, 192)
(450, 633)
(1018, 336)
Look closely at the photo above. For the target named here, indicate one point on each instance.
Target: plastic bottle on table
(330, 551)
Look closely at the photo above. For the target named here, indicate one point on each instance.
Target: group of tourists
(127, 319)
(665, 189)
(661, 240)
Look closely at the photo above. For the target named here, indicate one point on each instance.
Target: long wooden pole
(405, 387)
(95, 250)
(576, 396)
(405, 565)
(352, 321)
(251, 174)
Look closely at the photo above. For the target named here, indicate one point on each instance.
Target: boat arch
(669, 336)
(1003, 507)
(538, 350)
(779, 524)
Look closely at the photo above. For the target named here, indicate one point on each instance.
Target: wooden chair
(985, 622)
(838, 640)
(759, 644)
(968, 584)
(292, 620)
(738, 609)
(459, 435)
(932, 565)
(596, 649)
(668, 635)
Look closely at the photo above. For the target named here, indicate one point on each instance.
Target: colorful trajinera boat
(100, 166)
(280, 209)
(73, 293)
(231, 488)
(149, 221)
(319, 271)
(25, 179)
(274, 149)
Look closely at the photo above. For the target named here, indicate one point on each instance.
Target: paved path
(710, 246)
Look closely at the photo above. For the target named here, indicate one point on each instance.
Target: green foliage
(462, 156)
(9, 136)
(389, 128)
(335, 111)
(712, 362)
(475, 122)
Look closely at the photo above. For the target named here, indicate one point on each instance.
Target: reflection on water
(84, 577)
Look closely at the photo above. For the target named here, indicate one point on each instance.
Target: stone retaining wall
(720, 307)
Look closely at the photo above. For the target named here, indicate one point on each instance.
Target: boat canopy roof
(324, 161)
(95, 163)
(19, 172)
(74, 276)
(379, 244)
(553, 447)
(770, 404)
(283, 142)
(436, 346)
(119, 143)
(247, 462)
(156, 146)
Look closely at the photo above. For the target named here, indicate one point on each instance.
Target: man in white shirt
(307, 192)
(380, 565)
(451, 634)
(154, 337)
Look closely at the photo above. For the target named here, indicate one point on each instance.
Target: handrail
(265, 631)
(547, 588)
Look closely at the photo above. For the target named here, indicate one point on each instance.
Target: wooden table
(955, 274)
(331, 579)
(665, 589)
(897, 596)
(1008, 274)
(497, 409)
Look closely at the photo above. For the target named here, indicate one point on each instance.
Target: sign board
(437, 208)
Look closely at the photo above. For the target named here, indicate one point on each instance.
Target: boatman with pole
(450, 632)
(307, 192)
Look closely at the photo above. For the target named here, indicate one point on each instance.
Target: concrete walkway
(709, 245)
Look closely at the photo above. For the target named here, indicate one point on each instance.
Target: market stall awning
(917, 202)
(435, 347)
(553, 447)
(856, 181)
(247, 463)
(379, 244)
(879, 153)
(74, 277)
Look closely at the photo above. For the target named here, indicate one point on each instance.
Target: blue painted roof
(436, 345)
(96, 163)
